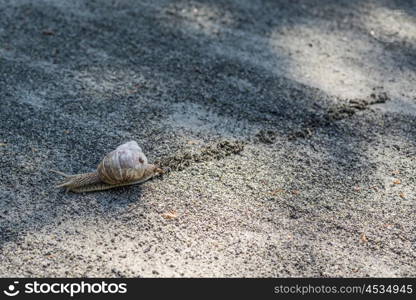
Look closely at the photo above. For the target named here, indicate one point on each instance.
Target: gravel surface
(288, 129)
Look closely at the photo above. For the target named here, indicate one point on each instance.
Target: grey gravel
(288, 128)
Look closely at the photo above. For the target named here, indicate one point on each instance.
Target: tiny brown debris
(170, 215)
(278, 191)
(402, 195)
(295, 192)
(395, 172)
(363, 238)
(397, 181)
(357, 188)
(48, 32)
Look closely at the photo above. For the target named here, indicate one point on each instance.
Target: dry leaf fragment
(397, 181)
(48, 32)
(363, 238)
(170, 215)
(402, 195)
(278, 191)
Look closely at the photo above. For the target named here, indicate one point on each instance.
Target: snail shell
(125, 164)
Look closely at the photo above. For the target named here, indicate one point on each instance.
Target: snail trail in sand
(216, 151)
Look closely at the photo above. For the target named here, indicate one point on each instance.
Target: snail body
(126, 165)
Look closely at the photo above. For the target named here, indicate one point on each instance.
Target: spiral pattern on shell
(125, 164)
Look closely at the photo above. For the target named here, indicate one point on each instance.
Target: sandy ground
(288, 127)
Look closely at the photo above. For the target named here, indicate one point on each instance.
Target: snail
(126, 165)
